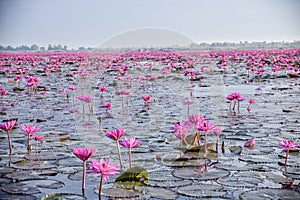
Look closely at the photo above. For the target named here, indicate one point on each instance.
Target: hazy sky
(90, 22)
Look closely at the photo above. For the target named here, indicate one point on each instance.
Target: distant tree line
(244, 45)
(192, 46)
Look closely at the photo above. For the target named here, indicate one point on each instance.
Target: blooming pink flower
(187, 102)
(195, 119)
(37, 137)
(123, 92)
(72, 87)
(146, 98)
(7, 126)
(130, 142)
(104, 167)
(29, 129)
(251, 101)
(84, 153)
(288, 145)
(3, 92)
(63, 90)
(250, 143)
(115, 134)
(205, 126)
(107, 105)
(217, 131)
(102, 88)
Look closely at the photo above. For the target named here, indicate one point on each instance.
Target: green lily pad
(200, 173)
(263, 194)
(202, 191)
(135, 174)
(157, 193)
(242, 182)
(17, 197)
(63, 196)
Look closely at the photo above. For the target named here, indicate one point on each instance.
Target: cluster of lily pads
(22, 69)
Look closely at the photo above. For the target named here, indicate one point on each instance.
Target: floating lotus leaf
(33, 165)
(259, 159)
(200, 173)
(235, 149)
(75, 176)
(243, 182)
(196, 148)
(168, 184)
(239, 166)
(115, 191)
(20, 188)
(63, 196)
(275, 177)
(24, 175)
(134, 174)
(44, 155)
(189, 163)
(162, 175)
(202, 191)
(258, 151)
(67, 170)
(157, 193)
(17, 197)
(263, 194)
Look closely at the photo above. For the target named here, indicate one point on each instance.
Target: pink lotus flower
(29, 130)
(72, 87)
(217, 131)
(116, 135)
(251, 102)
(37, 138)
(287, 146)
(181, 130)
(123, 92)
(7, 126)
(107, 105)
(3, 93)
(250, 143)
(188, 102)
(84, 154)
(205, 126)
(130, 143)
(102, 88)
(236, 97)
(195, 119)
(105, 169)
(146, 98)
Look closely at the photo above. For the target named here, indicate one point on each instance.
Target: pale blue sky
(90, 22)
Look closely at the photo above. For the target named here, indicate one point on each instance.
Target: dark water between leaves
(52, 171)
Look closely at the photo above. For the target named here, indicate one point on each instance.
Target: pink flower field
(205, 124)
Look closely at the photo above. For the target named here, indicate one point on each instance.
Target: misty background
(92, 23)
